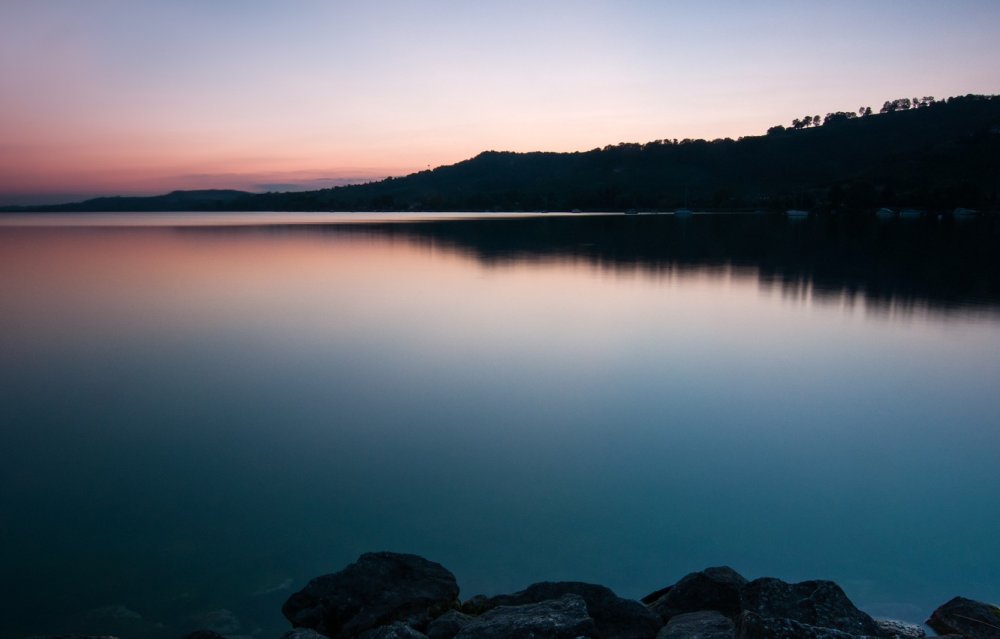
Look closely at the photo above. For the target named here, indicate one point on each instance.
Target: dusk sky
(145, 96)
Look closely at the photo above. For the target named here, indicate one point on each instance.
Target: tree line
(889, 106)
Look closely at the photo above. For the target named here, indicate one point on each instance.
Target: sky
(102, 97)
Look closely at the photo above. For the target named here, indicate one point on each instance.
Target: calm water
(200, 413)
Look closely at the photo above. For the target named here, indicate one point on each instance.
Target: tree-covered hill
(935, 155)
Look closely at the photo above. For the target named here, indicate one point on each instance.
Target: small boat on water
(964, 214)
(683, 212)
(796, 214)
(632, 212)
(885, 214)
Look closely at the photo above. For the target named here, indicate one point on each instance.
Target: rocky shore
(388, 595)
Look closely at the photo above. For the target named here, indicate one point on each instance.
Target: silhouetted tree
(901, 104)
(838, 116)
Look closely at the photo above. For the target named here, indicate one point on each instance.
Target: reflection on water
(910, 264)
(197, 419)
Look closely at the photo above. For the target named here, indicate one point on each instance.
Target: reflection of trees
(897, 264)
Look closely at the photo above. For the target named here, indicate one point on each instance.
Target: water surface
(201, 413)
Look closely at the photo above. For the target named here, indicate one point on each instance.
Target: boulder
(892, 629)
(615, 617)
(563, 618)
(378, 589)
(394, 630)
(476, 605)
(710, 589)
(750, 625)
(707, 624)
(967, 617)
(448, 625)
(820, 604)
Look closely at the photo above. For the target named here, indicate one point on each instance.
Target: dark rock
(814, 603)
(708, 624)
(448, 625)
(376, 590)
(967, 617)
(656, 594)
(711, 589)
(303, 633)
(753, 626)
(476, 605)
(892, 629)
(395, 630)
(563, 618)
(615, 617)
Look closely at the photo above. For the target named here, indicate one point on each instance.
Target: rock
(203, 634)
(753, 626)
(563, 618)
(395, 630)
(376, 590)
(708, 624)
(710, 589)
(813, 603)
(476, 605)
(892, 629)
(656, 594)
(615, 617)
(967, 617)
(303, 633)
(448, 625)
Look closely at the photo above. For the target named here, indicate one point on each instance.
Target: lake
(201, 412)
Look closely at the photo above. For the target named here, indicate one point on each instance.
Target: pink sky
(145, 96)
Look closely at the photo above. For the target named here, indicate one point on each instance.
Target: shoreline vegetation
(916, 156)
(387, 595)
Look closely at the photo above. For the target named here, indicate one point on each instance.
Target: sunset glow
(143, 97)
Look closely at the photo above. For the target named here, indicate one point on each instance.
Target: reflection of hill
(941, 264)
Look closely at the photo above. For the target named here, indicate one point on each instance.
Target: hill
(202, 200)
(939, 156)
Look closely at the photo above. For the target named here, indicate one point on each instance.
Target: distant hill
(939, 156)
(204, 200)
